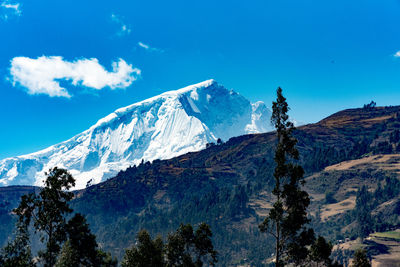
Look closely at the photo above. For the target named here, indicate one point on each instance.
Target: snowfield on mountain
(161, 127)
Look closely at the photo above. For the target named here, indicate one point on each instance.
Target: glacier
(161, 127)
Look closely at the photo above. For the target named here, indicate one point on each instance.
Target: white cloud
(10, 9)
(145, 46)
(397, 54)
(43, 75)
(124, 28)
(149, 48)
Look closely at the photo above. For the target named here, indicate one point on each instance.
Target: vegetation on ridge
(228, 186)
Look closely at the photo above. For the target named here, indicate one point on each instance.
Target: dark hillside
(220, 184)
(9, 199)
(227, 185)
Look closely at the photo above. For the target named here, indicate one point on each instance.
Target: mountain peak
(172, 93)
(161, 127)
(193, 87)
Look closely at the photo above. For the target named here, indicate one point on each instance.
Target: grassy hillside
(341, 182)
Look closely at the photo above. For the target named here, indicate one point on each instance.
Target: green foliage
(68, 256)
(321, 251)
(17, 253)
(371, 105)
(287, 219)
(147, 253)
(48, 210)
(367, 216)
(105, 259)
(363, 212)
(389, 191)
(185, 248)
(81, 247)
(188, 248)
(360, 259)
(194, 198)
(203, 246)
(82, 241)
(367, 201)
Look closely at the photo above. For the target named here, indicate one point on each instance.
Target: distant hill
(229, 185)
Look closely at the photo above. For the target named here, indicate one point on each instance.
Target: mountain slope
(161, 127)
(229, 186)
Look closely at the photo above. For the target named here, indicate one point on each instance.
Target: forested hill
(222, 184)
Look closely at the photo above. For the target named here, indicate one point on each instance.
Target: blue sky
(66, 64)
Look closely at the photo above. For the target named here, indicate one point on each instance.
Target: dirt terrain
(392, 259)
(383, 247)
(390, 242)
(384, 162)
(330, 210)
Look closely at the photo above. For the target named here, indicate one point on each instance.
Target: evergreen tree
(321, 251)
(67, 256)
(360, 259)
(17, 253)
(363, 212)
(286, 220)
(47, 210)
(177, 250)
(188, 248)
(185, 248)
(147, 253)
(204, 249)
(106, 259)
(81, 247)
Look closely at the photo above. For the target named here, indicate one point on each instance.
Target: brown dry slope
(345, 178)
(392, 259)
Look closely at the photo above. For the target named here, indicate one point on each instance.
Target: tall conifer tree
(287, 219)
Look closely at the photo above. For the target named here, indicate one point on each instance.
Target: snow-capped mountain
(161, 127)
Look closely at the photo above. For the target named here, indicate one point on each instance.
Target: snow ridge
(161, 127)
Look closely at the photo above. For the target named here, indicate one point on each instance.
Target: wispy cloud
(124, 29)
(10, 9)
(149, 48)
(43, 75)
(397, 54)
